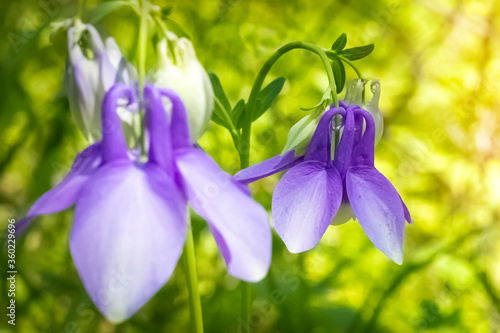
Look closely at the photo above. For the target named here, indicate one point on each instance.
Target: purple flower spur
(317, 190)
(131, 216)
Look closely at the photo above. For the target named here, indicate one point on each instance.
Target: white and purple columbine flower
(130, 217)
(317, 190)
(90, 73)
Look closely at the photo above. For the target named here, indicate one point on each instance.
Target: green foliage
(108, 7)
(339, 43)
(267, 96)
(224, 114)
(339, 73)
(440, 150)
(357, 53)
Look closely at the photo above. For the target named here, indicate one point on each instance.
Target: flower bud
(300, 134)
(92, 68)
(354, 96)
(180, 70)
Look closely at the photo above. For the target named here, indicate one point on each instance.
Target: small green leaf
(167, 10)
(219, 92)
(331, 55)
(339, 74)
(356, 53)
(108, 7)
(238, 110)
(176, 28)
(216, 119)
(339, 44)
(222, 108)
(267, 96)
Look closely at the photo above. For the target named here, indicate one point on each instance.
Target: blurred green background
(439, 66)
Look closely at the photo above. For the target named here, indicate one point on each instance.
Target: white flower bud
(180, 70)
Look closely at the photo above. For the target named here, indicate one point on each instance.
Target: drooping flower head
(131, 216)
(179, 69)
(93, 66)
(318, 189)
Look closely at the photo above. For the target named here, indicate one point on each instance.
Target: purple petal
(320, 145)
(160, 147)
(64, 194)
(344, 151)
(179, 123)
(304, 203)
(268, 167)
(407, 212)
(129, 230)
(378, 208)
(239, 224)
(113, 144)
(364, 151)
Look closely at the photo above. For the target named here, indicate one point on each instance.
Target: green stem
(141, 49)
(347, 61)
(234, 133)
(141, 64)
(246, 301)
(192, 283)
(360, 76)
(81, 9)
(244, 146)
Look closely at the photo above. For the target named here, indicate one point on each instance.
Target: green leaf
(108, 7)
(216, 119)
(222, 107)
(356, 53)
(219, 92)
(238, 110)
(176, 28)
(167, 10)
(267, 96)
(331, 55)
(339, 44)
(339, 74)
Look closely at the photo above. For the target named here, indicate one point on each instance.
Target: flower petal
(407, 212)
(378, 208)
(160, 147)
(64, 194)
(320, 145)
(179, 123)
(304, 203)
(113, 144)
(239, 224)
(129, 230)
(268, 167)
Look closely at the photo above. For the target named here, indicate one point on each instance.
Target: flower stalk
(189, 261)
(244, 143)
(141, 64)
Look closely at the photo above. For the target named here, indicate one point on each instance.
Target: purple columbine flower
(131, 217)
(317, 189)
